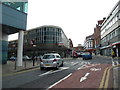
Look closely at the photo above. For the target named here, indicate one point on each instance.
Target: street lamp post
(33, 45)
(14, 54)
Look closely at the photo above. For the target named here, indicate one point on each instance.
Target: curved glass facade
(45, 39)
(45, 35)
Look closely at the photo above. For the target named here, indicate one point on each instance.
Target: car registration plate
(47, 64)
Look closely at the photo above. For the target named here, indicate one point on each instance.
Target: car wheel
(57, 67)
(62, 64)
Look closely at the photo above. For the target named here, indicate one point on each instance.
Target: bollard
(15, 64)
(25, 62)
(33, 62)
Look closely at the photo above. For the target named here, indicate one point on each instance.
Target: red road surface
(93, 79)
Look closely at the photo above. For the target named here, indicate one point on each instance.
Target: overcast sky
(77, 18)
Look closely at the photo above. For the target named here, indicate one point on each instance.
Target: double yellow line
(105, 79)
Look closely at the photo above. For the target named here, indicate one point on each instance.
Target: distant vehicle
(13, 58)
(51, 60)
(75, 55)
(79, 54)
(26, 57)
(86, 55)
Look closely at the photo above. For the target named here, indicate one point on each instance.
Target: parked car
(13, 58)
(86, 55)
(79, 54)
(26, 57)
(75, 55)
(51, 60)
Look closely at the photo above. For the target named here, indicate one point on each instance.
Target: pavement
(10, 67)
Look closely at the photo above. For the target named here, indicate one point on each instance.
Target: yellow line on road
(107, 79)
(103, 79)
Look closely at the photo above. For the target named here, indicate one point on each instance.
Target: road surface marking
(107, 78)
(51, 71)
(85, 77)
(62, 68)
(60, 81)
(87, 66)
(113, 63)
(103, 78)
(95, 69)
(83, 65)
(45, 73)
(117, 62)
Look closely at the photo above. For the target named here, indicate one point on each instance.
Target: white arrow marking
(85, 77)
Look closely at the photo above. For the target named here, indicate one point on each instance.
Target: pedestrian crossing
(114, 62)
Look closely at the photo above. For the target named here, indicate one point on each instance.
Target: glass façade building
(13, 18)
(46, 39)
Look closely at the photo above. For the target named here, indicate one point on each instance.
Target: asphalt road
(45, 78)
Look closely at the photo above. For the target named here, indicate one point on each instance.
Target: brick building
(97, 36)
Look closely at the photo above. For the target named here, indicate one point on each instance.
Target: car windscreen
(86, 53)
(48, 56)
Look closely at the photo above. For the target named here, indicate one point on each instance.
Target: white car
(51, 60)
(26, 57)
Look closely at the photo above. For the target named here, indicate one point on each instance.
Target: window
(119, 31)
(110, 36)
(119, 14)
(113, 34)
(57, 56)
(48, 56)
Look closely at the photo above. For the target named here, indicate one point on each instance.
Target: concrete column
(20, 48)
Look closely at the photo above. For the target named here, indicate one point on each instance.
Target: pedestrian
(33, 58)
(113, 54)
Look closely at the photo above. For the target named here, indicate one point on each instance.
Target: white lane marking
(87, 66)
(60, 81)
(95, 69)
(71, 63)
(117, 62)
(45, 73)
(62, 68)
(85, 77)
(51, 71)
(75, 63)
(113, 63)
(81, 67)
